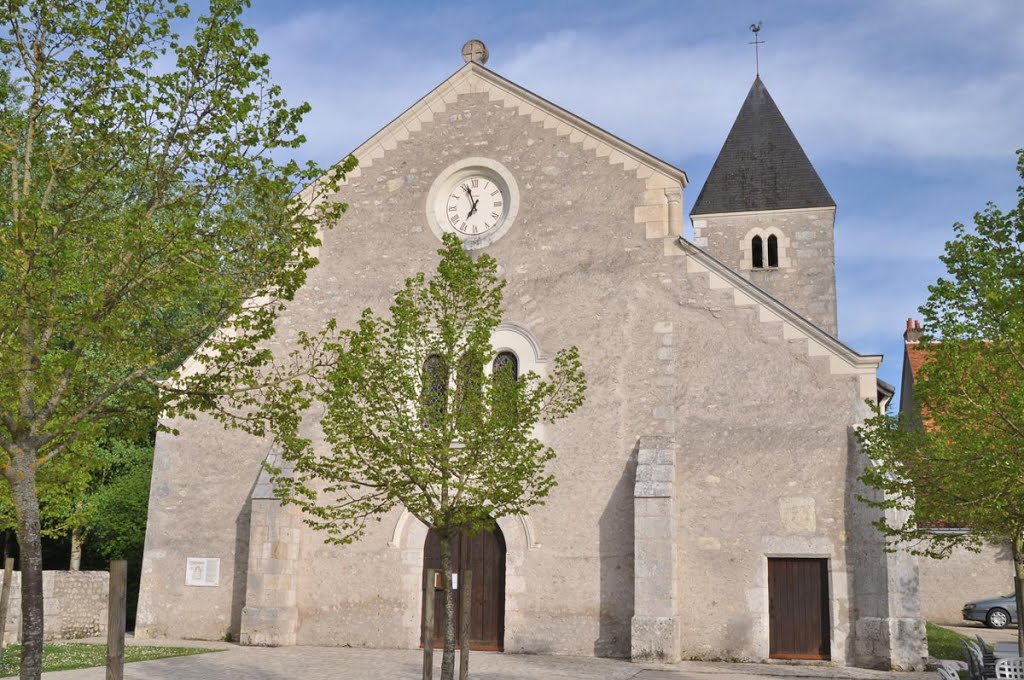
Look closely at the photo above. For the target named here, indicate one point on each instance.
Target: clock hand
(472, 209)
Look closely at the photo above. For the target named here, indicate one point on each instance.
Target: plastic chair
(975, 663)
(946, 673)
(1012, 668)
(986, 654)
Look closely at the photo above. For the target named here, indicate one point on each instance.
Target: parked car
(997, 612)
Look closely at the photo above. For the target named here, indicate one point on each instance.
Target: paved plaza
(335, 663)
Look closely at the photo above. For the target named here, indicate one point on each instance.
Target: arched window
(468, 387)
(435, 389)
(508, 362)
(756, 253)
(773, 251)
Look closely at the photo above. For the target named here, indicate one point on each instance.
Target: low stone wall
(74, 605)
(946, 585)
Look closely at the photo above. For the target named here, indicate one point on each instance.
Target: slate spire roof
(761, 165)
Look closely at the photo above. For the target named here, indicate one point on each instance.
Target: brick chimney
(913, 332)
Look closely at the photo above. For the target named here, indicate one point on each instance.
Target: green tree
(143, 205)
(413, 418)
(97, 492)
(960, 460)
(61, 487)
(114, 509)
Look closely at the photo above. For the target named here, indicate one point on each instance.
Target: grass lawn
(65, 656)
(944, 643)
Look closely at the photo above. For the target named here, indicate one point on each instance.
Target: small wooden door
(798, 609)
(484, 555)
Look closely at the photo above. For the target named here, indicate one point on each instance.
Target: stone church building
(706, 500)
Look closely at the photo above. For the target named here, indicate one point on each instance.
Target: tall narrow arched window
(756, 253)
(435, 389)
(468, 388)
(508, 362)
(773, 251)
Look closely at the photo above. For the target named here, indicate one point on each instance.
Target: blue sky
(909, 109)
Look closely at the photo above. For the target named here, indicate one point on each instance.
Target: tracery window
(468, 386)
(434, 395)
(508, 362)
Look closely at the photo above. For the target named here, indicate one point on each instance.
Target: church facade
(705, 505)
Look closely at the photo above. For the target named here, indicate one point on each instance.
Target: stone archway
(484, 555)
(409, 537)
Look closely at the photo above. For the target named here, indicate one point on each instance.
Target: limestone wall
(760, 427)
(805, 278)
(946, 585)
(74, 605)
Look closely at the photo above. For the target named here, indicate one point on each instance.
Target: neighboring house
(706, 500)
(946, 585)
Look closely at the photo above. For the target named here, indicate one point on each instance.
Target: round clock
(475, 205)
(476, 198)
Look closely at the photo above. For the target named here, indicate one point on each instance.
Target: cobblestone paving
(333, 663)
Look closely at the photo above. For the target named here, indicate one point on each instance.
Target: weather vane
(756, 29)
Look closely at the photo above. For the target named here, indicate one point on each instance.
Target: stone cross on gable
(475, 51)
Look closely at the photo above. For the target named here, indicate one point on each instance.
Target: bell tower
(765, 212)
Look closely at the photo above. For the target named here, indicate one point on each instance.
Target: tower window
(766, 250)
(773, 251)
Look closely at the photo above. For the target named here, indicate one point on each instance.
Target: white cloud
(848, 86)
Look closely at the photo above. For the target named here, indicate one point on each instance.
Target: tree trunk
(26, 509)
(448, 658)
(1018, 587)
(76, 550)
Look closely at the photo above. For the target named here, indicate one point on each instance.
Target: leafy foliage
(960, 459)
(414, 417)
(144, 204)
(114, 509)
(967, 465)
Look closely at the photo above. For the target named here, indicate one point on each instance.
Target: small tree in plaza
(960, 460)
(413, 417)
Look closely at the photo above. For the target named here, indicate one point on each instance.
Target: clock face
(475, 205)
(475, 198)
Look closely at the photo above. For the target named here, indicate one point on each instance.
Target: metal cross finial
(755, 29)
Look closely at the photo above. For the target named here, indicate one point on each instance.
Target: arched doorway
(484, 555)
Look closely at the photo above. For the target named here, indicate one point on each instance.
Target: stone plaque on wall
(202, 571)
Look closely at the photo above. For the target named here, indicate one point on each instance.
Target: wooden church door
(798, 612)
(484, 555)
